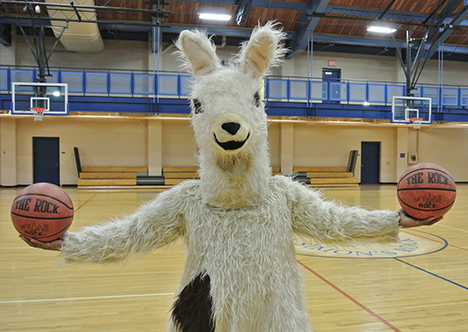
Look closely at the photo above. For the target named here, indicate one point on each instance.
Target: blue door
(332, 76)
(46, 160)
(370, 162)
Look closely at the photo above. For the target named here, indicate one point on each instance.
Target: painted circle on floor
(411, 243)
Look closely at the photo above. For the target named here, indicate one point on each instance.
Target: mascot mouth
(231, 145)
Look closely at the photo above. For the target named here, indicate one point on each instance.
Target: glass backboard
(404, 109)
(53, 97)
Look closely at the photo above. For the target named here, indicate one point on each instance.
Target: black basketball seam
(432, 210)
(428, 168)
(42, 218)
(34, 194)
(424, 188)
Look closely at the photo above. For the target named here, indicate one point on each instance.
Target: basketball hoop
(38, 113)
(416, 122)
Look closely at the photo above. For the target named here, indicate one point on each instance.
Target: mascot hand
(54, 245)
(406, 221)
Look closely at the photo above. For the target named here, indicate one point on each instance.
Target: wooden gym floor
(418, 284)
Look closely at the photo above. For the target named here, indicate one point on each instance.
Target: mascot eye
(257, 99)
(197, 107)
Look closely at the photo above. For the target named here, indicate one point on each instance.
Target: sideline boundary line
(352, 299)
(431, 273)
(86, 298)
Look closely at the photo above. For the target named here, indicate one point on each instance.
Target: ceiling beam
(358, 41)
(301, 37)
(245, 33)
(175, 29)
(384, 43)
(464, 23)
(299, 6)
(374, 13)
(447, 31)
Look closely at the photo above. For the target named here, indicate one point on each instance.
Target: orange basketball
(42, 211)
(426, 190)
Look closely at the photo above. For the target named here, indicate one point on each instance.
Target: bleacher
(175, 175)
(325, 176)
(136, 177)
(109, 175)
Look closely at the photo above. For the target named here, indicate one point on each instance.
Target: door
(46, 160)
(370, 162)
(332, 75)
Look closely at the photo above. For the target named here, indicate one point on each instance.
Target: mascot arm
(151, 226)
(323, 220)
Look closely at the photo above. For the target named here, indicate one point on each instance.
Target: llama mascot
(238, 220)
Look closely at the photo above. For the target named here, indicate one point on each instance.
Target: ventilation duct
(79, 36)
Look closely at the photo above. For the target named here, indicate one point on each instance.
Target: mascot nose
(231, 127)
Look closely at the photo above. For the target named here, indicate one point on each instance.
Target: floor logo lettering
(412, 243)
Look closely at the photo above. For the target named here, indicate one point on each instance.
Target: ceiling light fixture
(214, 17)
(374, 28)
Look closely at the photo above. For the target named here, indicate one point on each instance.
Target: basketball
(426, 190)
(42, 211)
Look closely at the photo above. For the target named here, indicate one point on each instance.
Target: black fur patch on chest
(192, 311)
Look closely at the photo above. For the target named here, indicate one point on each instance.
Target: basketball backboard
(53, 97)
(406, 108)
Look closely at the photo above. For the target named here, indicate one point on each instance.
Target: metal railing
(170, 84)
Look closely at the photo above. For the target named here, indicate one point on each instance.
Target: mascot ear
(263, 50)
(198, 52)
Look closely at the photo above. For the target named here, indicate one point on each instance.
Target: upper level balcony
(163, 92)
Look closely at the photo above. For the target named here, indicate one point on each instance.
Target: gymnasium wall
(124, 142)
(353, 66)
(116, 55)
(325, 145)
(446, 147)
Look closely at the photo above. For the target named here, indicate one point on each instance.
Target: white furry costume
(239, 222)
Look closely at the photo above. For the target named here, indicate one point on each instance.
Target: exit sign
(332, 63)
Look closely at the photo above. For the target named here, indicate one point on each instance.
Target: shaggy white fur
(238, 221)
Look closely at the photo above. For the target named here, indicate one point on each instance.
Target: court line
(86, 202)
(352, 299)
(432, 274)
(423, 237)
(461, 248)
(457, 229)
(427, 238)
(86, 298)
(14, 248)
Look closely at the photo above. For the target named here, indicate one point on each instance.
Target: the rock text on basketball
(438, 178)
(416, 178)
(45, 207)
(23, 204)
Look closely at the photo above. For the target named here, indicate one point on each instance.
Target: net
(38, 113)
(416, 122)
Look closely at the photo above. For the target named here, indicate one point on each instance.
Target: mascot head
(228, 115)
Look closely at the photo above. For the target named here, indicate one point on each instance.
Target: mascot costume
(238, 221)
